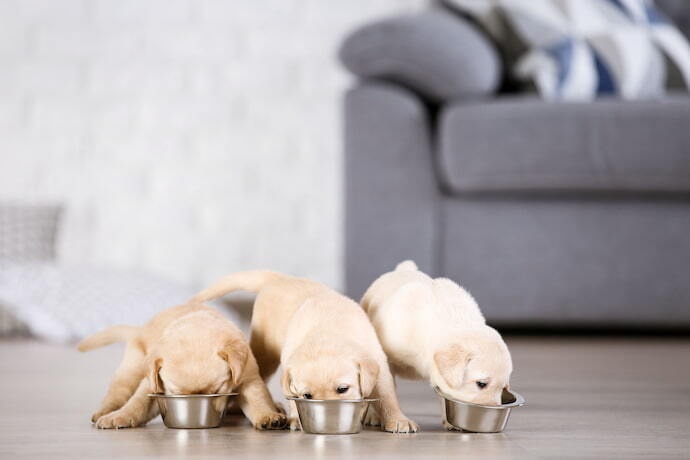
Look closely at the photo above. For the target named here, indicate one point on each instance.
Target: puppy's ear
(235, 352)
(368, 374)
(286, 382)
(154, 377)
(450, 364)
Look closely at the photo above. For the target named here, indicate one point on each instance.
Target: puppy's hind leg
(125, 382)
(267, 359)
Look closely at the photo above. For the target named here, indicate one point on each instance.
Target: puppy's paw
(449, 427)
(274, 421)
(294, 424)
(400, 425)
(116, 420)
(99, 414)
(372, 418)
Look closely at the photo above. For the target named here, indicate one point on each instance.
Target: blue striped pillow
(582, 49)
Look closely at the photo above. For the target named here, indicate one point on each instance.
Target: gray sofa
(549, 213)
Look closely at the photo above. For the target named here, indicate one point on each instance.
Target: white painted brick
(59, 41)
(29, 159)
(203, 78)
(256, 12)
(40, 79)
(141, 11)
(134, 148)
(134, 78)
(185, 136)
(41, 12)
(12, 39)
(13, 115)
(112, 118)
(56, 117)
(188, 42)
(116, 41)
(86, 41)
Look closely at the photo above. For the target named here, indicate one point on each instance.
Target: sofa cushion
(576, 261)
(440, 56)
(523, 144)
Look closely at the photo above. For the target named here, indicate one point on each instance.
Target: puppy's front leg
(124, 383)
(293, 417)
(391, 417)
(256, 401)
(138, 410)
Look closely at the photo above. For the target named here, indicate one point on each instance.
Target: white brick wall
(187, 137)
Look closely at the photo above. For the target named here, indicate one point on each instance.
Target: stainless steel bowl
(192, 411)
(476, 417)
(332, 416)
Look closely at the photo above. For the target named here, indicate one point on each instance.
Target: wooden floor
(587, 398)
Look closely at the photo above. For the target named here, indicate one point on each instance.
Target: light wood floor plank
(587, 398)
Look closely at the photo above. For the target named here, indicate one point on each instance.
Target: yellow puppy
(433, 329)
(324, 341)
(189, 349)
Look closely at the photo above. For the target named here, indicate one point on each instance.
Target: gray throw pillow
(27, 233)
(435, 53)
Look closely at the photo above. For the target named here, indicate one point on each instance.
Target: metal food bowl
(192, 411)
(478, 418)
(332, 416)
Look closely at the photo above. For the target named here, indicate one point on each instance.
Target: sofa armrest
(436, 53)
(390, 188)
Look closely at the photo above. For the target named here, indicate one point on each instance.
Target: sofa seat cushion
(527, 145)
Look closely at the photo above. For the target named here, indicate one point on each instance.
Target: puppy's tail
(252, 281)
(406, 266)
(108, 336)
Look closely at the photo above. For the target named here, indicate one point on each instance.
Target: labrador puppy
(189, 349)
(433, 329)
(323, 340)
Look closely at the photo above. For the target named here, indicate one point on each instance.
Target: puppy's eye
(342, 389)
(481, 385)
(307, 396)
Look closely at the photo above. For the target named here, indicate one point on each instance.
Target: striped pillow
(582, 49)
